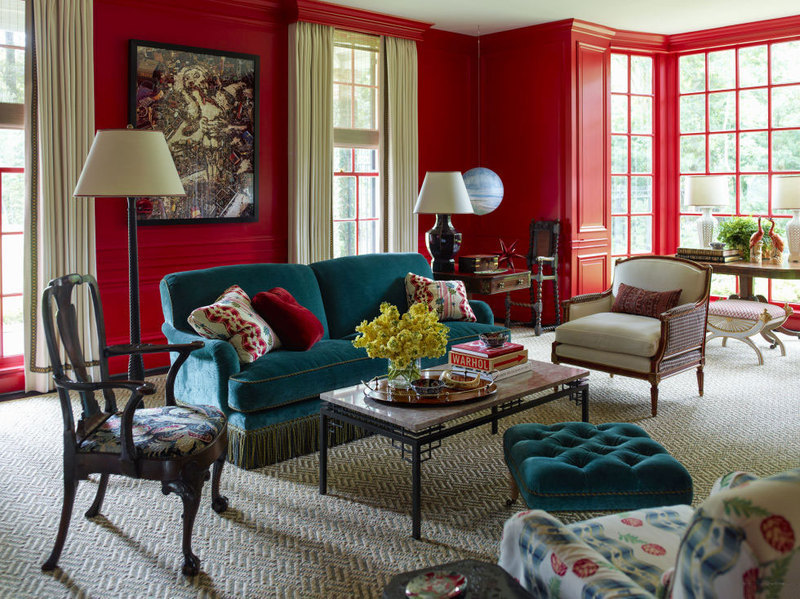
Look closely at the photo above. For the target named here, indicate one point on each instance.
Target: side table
(484, 581)
(489, 284)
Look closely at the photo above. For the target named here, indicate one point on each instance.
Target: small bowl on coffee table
(496, 339)
(427, 387)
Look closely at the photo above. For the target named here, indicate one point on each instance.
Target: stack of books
(477, 356)
(709, 254)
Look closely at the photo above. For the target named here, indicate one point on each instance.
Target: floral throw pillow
(232, 317)
(447, 298)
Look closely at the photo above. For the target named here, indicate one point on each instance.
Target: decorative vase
(401, 374)
(756, 253)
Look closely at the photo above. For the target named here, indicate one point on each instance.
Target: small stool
(741, 319)
(579, 466)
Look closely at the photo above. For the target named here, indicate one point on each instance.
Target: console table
(489, 284)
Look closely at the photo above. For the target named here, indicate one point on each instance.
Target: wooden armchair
(594, 337)
(173, 444)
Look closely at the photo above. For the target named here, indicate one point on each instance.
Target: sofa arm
(482, 311)
(548, 558)
(684, 328)
(584, 305)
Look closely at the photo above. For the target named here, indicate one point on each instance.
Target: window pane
(366, 67)
(641, 115)
(641, 154)
(365, 111)
(619, 73)
(641, 75)
(692, 73)
(641, 194)
(12, 326)
(752, 66)
(689, 238)
(693, 153)
(722, 153)
(368, 197)
(12, 147)
(12, 75)
(344, 239)
(366, 160)
(753, 151)
(12, 263)
(721, 70)
(619, 195)
(342, 160)
(722, 111)
(641, 234)
(693, 113)
(785, 61)
(784, 290)
(619, 235)
(368, 237)
(753, 109)
(786, 150)
(753, 194)
(344, 197)
(619, 154)
(342, 106)
(786, 106)
(723, 285)
(619, 114)
(13, 201)
(342, 65)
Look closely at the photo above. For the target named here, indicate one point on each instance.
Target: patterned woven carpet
(281, 539)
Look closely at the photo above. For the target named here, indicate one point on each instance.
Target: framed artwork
(206, 103)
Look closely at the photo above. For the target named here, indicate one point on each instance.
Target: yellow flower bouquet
(403, 340)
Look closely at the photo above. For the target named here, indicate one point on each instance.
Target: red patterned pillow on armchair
(447, 298)
(632, 300)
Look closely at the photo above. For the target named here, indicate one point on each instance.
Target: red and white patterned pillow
(447, 298)
(232, 317)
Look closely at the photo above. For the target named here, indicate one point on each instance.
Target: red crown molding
(592, 29)
(637, 40)
(771, 29)
(354, 19)
(554, 31)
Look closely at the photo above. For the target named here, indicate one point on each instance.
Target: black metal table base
(417, 447)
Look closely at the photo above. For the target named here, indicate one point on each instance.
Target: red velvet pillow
(296, 326)
(633, 300)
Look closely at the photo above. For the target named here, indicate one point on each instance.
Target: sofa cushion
(447, 298)
(353, 287)
(295, 325)
(613, 332)
(632, 300)
(232, 317)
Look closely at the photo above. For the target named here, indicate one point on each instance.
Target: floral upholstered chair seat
(167, 431)
(740, 542)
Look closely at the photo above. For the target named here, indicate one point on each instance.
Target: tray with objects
(434, 388)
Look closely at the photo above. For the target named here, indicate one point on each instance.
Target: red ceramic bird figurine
(777, 242)
(507, 254)
(756, 237)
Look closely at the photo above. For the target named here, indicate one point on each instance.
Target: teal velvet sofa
(272, 404)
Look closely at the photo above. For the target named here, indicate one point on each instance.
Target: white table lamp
(706, 192)
(786, 196)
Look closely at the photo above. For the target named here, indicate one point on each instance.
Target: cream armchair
(642, 347)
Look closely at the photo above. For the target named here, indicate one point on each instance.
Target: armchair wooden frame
(183, 475)
(681, 346)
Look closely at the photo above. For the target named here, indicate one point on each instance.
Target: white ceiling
(479, 17)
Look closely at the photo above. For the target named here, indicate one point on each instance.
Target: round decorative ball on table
(485, 189)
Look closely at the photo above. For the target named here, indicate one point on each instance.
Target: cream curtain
(59, 230)
(401, 144)
(310, 142)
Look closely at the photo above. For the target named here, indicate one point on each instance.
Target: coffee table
(416, 432)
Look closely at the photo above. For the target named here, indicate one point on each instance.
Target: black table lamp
(130, 163)
(443, 194)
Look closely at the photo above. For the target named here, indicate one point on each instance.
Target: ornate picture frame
(206, 103)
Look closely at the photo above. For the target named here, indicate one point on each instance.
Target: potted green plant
(736, 231)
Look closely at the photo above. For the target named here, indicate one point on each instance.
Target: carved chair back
(543, 244)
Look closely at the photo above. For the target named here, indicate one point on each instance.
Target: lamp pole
(135, 361)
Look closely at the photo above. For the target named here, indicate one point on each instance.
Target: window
(357, 199)
(12, 178)
(740, 116)
(631, 154)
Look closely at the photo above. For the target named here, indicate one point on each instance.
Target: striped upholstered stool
(741, 319)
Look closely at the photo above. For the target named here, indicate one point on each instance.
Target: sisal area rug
(281, 539)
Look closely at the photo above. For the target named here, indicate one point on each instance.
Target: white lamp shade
(708, 190)
(786, 192)
(443, 193)
(129, 163)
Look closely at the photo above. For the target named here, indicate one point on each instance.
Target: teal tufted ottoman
(579, 466)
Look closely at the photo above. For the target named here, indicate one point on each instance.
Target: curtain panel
(310, 142)
(59, 229)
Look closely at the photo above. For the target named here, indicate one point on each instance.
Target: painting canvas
(206, 103)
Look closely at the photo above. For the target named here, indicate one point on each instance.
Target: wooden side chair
(174, 444)
(542, 259)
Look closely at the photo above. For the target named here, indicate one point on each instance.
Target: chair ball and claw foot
(174, 444)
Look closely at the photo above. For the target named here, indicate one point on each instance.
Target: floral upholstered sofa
(742, 542)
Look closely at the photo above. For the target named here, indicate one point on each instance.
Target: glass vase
(401, 374)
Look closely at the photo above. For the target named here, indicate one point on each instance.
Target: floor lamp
(130, 163)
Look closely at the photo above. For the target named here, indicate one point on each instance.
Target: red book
(488, 364)
(477, 348)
